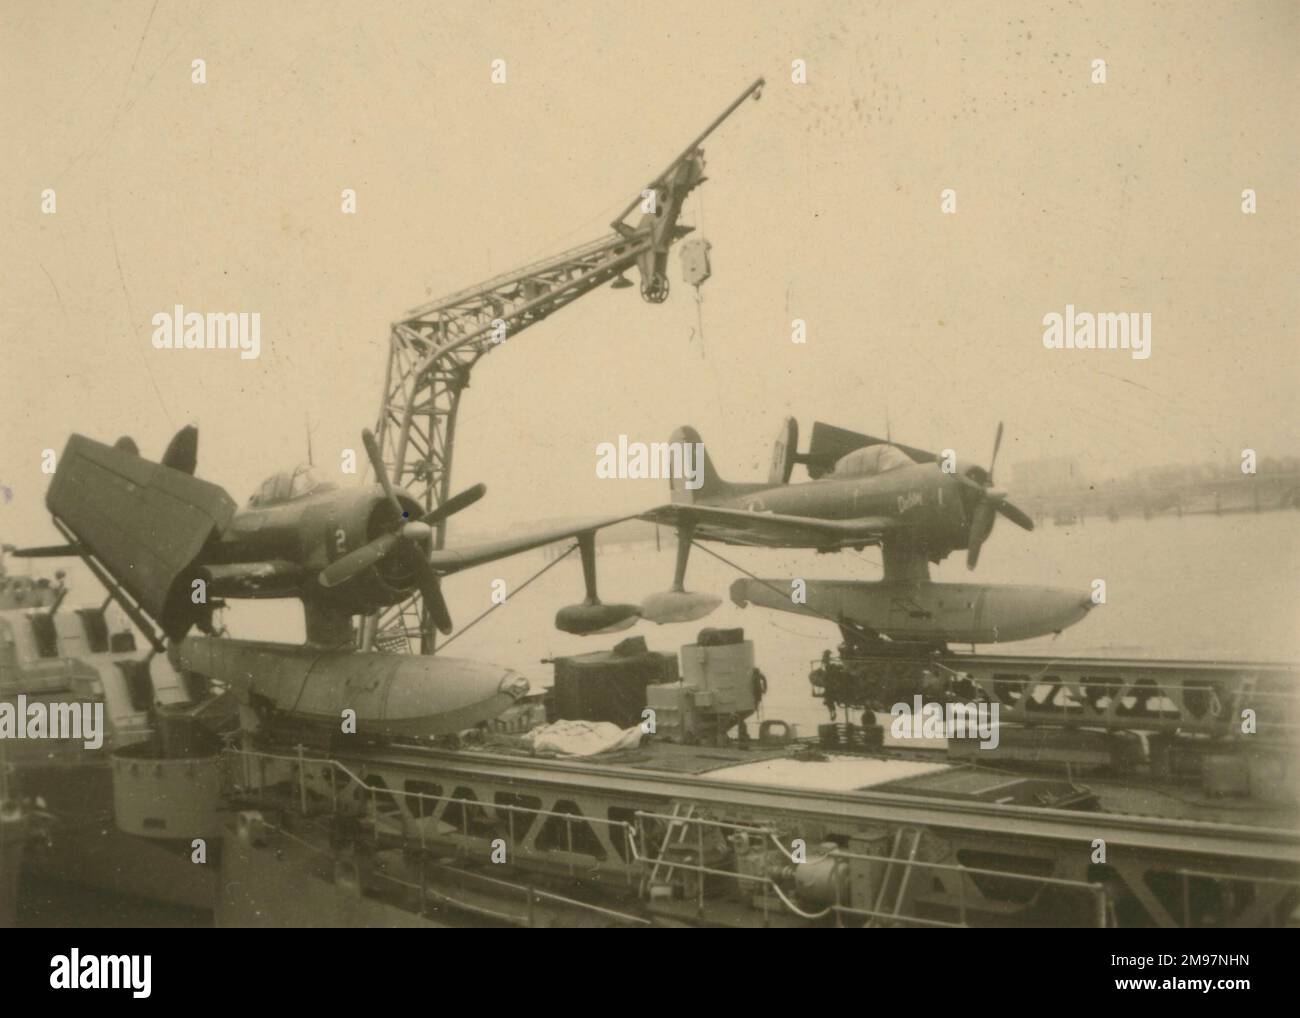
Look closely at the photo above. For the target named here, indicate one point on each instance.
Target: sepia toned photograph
(715, 464)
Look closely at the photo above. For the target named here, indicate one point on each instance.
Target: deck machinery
(1120, 793)
(1100, 829)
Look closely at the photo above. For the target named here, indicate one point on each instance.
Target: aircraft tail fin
(701, 479)
(183, 450)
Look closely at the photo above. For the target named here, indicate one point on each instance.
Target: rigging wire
(537, 575)
(741, 569)
(699, 320)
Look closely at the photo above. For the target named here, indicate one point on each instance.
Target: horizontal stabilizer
(144, 522)
(48, 551)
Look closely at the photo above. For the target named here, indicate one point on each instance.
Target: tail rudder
(699, 479)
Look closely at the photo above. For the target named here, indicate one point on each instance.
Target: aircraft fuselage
(278, 550)
(924, 499)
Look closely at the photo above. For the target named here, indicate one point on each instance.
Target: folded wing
(144, 521)
(830, 444)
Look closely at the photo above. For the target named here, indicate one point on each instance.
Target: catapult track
(1148, 833)
(1109, 665)
(703, 835)
(640, 837)
(1166, 696)
(638, 779)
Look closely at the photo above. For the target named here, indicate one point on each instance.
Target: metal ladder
(898, 874)
(678, 825)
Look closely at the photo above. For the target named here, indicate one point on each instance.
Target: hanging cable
(757, 579)
(471, 624)
(699, 319)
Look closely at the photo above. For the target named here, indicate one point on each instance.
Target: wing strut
(133, 611)
(685, 535)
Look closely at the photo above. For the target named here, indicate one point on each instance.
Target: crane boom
(434, 348)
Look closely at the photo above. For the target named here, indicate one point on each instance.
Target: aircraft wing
(829, 444)
(452, 560)
(144, 521)
(772, 530)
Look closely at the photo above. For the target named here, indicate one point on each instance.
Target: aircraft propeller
(404, 539)
(991, 501)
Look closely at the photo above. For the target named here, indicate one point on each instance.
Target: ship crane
(433, 349)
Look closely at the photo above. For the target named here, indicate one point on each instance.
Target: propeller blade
(1017, 516)
(455, 504)
(369, 626)
(381, 471)
(343, 569)
(997, 444)
(430, 590)
(980, 525)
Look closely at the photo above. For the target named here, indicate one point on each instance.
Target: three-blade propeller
(990, 501)
(408, 540)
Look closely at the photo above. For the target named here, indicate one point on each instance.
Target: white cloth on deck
(583, 738)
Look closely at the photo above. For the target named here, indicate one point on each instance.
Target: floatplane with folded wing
(917, 506)
(171, 548)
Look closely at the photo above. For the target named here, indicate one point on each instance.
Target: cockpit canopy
(289, 484)
(873, 459)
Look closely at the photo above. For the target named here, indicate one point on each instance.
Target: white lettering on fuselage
(910, 501)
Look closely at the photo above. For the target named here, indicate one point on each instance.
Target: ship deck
(910, 786)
